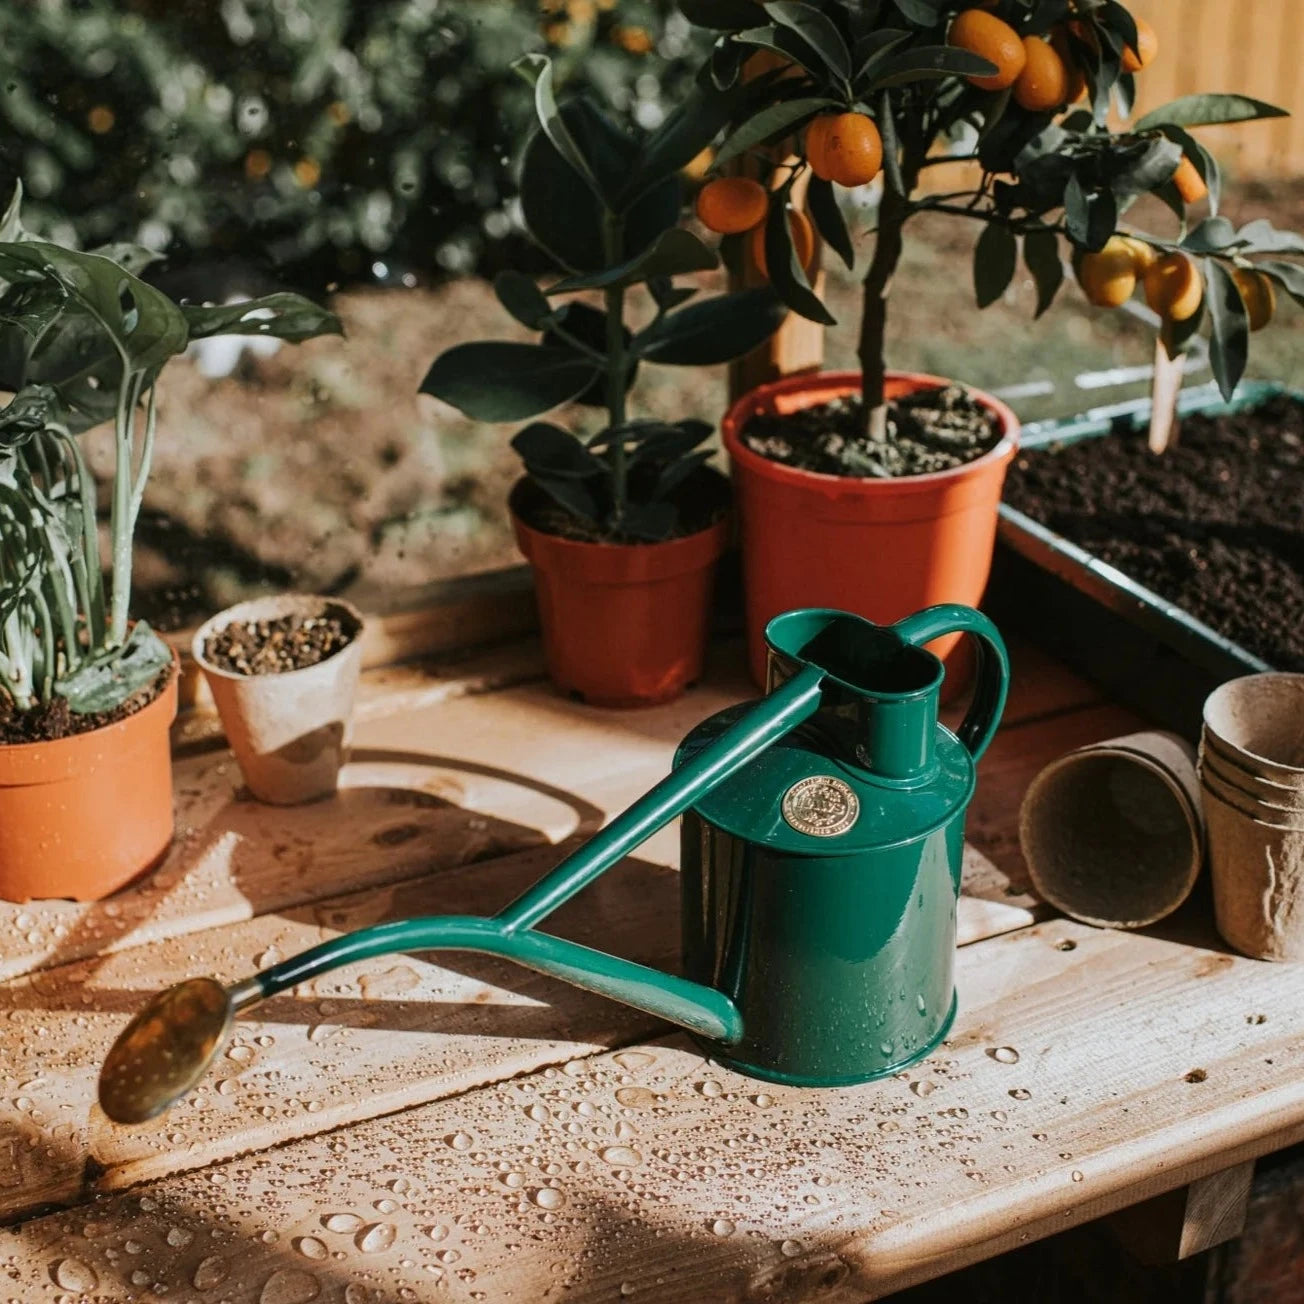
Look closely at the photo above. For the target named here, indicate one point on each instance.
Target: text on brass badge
(821, 806)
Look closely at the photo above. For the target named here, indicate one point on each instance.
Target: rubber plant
(1026, 93)
(82, 342)
(623, 522)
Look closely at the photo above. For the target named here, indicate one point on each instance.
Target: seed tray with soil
(274, 647)
(928, 430)
(1161, 576)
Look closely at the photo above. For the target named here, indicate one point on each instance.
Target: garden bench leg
(1188, 1220)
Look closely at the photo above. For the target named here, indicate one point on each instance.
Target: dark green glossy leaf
(11, 226)
(1229, 342)
(667, 294)
(673, 475)
(923, 13)
(494, 380)
(1207, 110)
(773, 121)
(994, 258)
(874, 50)
(521, 296)
(573, 496)
(1091, 217)
(1041, 255)
(1213, 235)
(1140, 171)
(566, 217)
(787, 275)
(829, 222)
(689, 129)
(281, 316)
(578, 325)
(930, 61)
(33, 409)
(817, 30)
(537, 70)
(1260, 236)
(110, 679)
(1290, 276)
(714, 330)
(548, 450)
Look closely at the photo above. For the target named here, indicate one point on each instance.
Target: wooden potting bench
(453, 1128)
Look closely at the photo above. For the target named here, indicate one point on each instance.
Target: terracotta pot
(1112, 833)
(879, 548)
(289, 732)
(81, 817)
(623, 624)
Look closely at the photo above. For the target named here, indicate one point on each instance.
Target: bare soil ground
(323, 469)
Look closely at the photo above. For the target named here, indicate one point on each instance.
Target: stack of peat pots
(1252, 776)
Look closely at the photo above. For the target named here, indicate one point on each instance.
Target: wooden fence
(1254, 47)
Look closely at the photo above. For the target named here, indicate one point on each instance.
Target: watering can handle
(993, 676)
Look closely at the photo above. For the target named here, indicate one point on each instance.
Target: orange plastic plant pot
(623, 624)
(879, 548)
(82, 816)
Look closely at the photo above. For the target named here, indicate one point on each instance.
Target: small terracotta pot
(880, 548)
(623, 624)
(1258, 882)
(81, 817)
(1112, 833)
(1256, 724)
(289, 732)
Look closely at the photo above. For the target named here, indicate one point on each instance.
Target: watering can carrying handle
(993, 674)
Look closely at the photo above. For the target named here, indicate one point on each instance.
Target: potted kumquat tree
(878, 491)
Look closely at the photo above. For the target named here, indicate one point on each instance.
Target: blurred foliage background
(332, 142)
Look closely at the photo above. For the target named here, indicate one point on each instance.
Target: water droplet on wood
(290, 1286)
(379, 1236)
(73, 1274)
(1003, 1054)
(341, 1222)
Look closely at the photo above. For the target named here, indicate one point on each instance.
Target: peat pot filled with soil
(624, 623)
(830, 517)
(85, 799)
(1214, 525)
(283, 672)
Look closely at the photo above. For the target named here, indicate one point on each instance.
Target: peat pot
(290, 730)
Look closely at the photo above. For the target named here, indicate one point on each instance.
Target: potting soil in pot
(929, 430)
(1215, 524)
(56, 719)
(271, 647)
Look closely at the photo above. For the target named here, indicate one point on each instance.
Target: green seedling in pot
(606, 205)
(82, 342)
(1020, 90)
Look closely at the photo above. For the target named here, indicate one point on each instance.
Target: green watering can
(822, 841)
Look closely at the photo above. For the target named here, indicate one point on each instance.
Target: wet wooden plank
(364, 1041)
(1080, 1078)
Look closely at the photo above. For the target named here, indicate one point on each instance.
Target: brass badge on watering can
(821, 806)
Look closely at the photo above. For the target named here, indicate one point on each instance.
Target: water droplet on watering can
(1003, 1054)
(341, 1222)
(73, 1274)
(376, 1238)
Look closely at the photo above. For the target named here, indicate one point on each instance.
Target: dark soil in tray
(930, 430)
(1215, 525)
(272, 647)
(48, 723)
